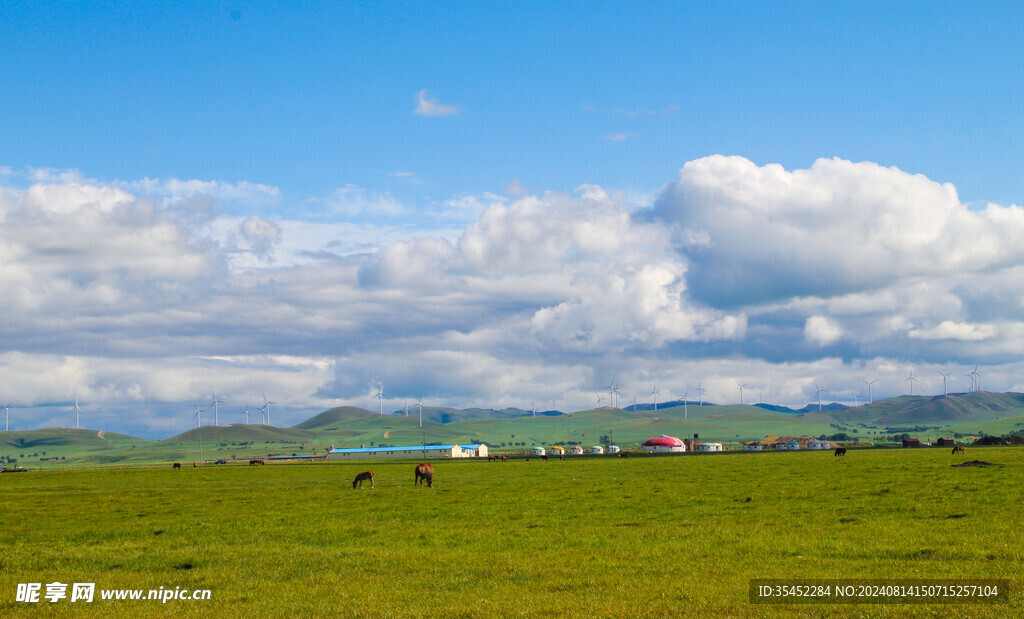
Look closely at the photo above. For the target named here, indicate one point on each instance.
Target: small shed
(597, 449)
(945, 442)
(911, 442)
(613, 449)
(537, 451)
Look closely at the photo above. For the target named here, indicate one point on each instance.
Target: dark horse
(176, 465)
(360, 478)
(840, 451)
(424, 472)
(959, 449)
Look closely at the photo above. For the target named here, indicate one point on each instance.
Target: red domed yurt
(663, 443)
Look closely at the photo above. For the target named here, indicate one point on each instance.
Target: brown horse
(360, 478)
(504, 458)
(959, 449)
(176, 465)
(424, 472)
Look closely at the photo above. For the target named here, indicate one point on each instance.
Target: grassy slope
(652, 536)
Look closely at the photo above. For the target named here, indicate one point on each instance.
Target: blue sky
(489, 203)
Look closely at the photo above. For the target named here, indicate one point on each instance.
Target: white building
(576, 450)
(597, 449)
(792, 446)
(537, 451)
(709, 447)
(415, 451)
(755, 446)
(816, 444)
(613, 449)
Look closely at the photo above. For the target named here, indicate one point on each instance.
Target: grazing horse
(360, 478)
(840, 451)
(176, 465)
(255, 462)
(504, 458)
(544, 458)
(424, 472)
(491, 458)
(623, 455)
(959, 449)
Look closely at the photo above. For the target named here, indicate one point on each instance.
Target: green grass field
(608, 537)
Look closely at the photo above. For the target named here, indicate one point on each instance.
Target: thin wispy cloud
(619, 137)
(431, 106)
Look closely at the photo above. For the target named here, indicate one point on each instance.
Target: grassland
(644, 536)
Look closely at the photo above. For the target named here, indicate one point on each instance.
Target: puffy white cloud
(759, 233)
(262, 235)
(950, 330)
(821, 331)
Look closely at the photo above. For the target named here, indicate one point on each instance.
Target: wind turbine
(616, 393)
(634, 401)
(700, 390)
(742, 387)
(406, 407)
(77, 411)
(419, 403)
(685, 414)
(599, 398)
(911, 380)
(975, 375)
(266, 405)
(820, 390)
(198, 416)
(553, 403)
(533, 408)
(944, 376)
(655, 394)
(6, 419)
(869, 383)
(246, 413)
(380, 397)
(216, 420)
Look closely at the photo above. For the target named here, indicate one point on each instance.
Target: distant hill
(923, 410)
(62, 437)
(669, 404)
(334, 417)
(443, 414)
(240, 432)
(810, 408)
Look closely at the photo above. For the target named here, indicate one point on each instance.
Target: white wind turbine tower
(616, 393)
(685, 414)
(553, 403)
(77, 412)
(380, 397)
(266, 405)
(911, 380)
(246, 413)
(742, 387)
(599, 398)
(634, 401)
(700, 391)
(533, 408)
(7, 410)
(944, 376)
(216, 419)
(869, 383)
(655, 394)
(406, 407)
(820, 390)
(198, 416)
(419, 403)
